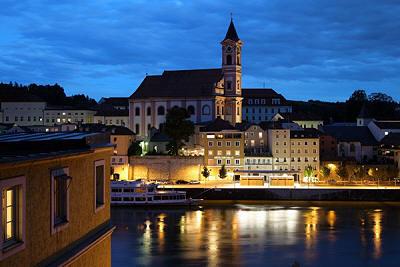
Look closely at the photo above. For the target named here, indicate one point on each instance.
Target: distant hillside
(52, 94)
(378, 105)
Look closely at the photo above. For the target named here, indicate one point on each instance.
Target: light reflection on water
(256, 235)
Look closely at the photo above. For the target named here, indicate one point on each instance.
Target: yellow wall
(165, 167)
(40, 243)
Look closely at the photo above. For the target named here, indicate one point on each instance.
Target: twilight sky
(304, 49)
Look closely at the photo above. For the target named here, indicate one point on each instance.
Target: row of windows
(314, 151)
(63, 113)
(260, 134)
(258, 161)
(227, 143)
(299, 143)
(21, 118)
(117, 122)
(13, 208)
(220, 153)
(228, 162)
(267, 110)
(64, 120)
(253, 142)
(293, 168)
(161, 110)
(306, 159)
(275, 101)
(29, 108)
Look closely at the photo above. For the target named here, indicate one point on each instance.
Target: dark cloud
(106, 47)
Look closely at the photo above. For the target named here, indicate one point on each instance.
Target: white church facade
(206, 93)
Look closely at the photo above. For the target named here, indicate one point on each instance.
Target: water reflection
(377, 218)
(251, 235)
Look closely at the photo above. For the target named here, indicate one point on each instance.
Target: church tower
(232, 70)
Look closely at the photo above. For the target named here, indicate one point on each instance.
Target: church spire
(231, 34)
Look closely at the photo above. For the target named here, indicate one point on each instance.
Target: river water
(313, 234)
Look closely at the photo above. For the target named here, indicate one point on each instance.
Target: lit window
(260, 135)
(13, 216)
(228, 152)
(99, 184)
(237, 152)
(219, 153)
(210, 152)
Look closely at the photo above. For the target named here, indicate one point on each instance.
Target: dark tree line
(378, 106)
(52, 94)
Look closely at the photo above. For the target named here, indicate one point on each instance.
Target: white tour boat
(138, 193)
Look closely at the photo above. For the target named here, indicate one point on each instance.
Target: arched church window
(217, 110)
(137, 111)
(228, 60)
(161, 110)
(190, 110)
(148, 112)
(205, 110)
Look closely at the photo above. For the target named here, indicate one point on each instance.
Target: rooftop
(26, 146)
(179, 83)
(351, 134)
(388, 124)
(217, 125)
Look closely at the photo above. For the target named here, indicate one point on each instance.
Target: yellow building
(223, 145)
(55, 208)
(304, 151)
(121, 138)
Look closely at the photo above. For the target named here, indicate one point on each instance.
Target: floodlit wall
(165, 168)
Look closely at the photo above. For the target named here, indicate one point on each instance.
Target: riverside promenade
(304, 192)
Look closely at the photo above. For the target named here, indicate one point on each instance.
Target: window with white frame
(219, 161)
(99, 176)
(228, 162)
(237, 143)
(60, 183)
(237, 161)
(12, 216)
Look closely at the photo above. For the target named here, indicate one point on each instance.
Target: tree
(222, 172)
(358, 96)
(135, 149)
(342, 172)
(325, 171)
(178, 127)
(205, 172)
(308, 171)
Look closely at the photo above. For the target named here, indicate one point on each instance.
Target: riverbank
(290, 194)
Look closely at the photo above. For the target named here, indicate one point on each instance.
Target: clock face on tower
(228, 49)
